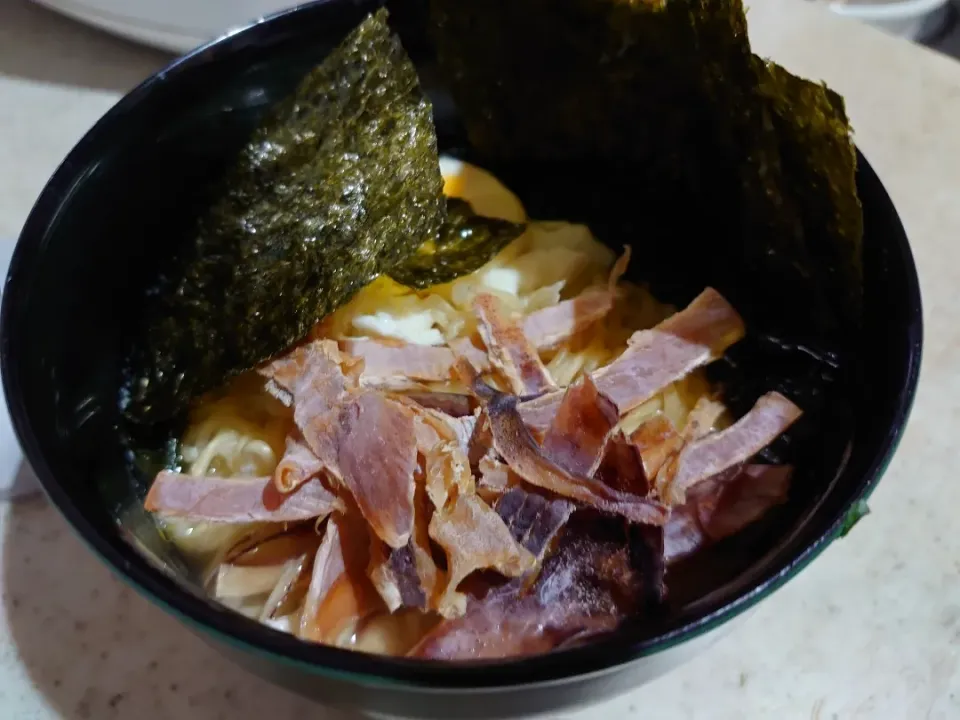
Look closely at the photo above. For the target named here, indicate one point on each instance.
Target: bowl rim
(234, 630)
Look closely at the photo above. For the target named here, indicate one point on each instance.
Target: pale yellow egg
(487, 195)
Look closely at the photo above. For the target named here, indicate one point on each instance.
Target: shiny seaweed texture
(465, 242)
(340, 183)
(708, 156)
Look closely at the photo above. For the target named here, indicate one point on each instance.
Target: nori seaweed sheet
(339, 184)
(465, 242)
(653, 120)
(646, 120)
(817, 155)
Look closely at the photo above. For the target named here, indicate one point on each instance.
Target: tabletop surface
(870, 630)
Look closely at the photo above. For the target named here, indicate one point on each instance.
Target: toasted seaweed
(820, 162)
(339, 184)
(465, 242)
(583, 79)
(716, 163)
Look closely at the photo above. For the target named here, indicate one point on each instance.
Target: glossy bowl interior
(131, 190)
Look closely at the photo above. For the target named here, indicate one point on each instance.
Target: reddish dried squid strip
(516, 445)
(580, 428)
(297, 466)
(510, 351)
(385, 361)
(377, 455)
(712, 454)
(339, 595)
(724, 505)
(654, 358)
(234, 500)
(548, 327)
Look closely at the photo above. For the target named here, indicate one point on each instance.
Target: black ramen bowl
(131, 190)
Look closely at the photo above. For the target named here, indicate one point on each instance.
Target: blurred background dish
(174, 25)
(180, 25)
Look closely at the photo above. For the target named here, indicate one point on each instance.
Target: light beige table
(870, 630)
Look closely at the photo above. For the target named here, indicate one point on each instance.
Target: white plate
(175, 25)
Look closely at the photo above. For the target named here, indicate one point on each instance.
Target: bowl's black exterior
(106, 221)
